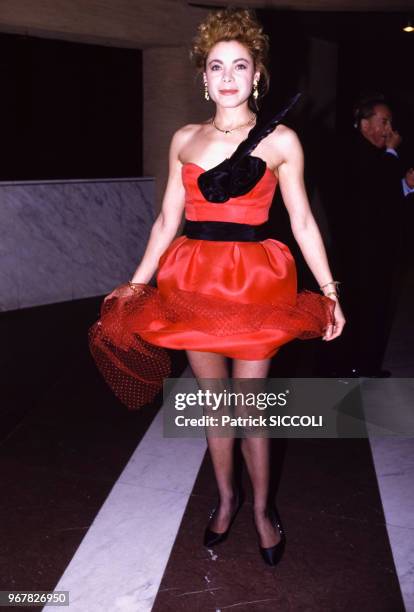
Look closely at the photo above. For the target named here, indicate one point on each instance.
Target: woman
(224, 291)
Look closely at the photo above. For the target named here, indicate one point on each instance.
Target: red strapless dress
(239, 299)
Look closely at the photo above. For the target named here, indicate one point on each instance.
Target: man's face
(378, 126)
(409, 177)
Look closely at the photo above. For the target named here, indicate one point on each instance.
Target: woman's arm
(168, 221)
(304, 227)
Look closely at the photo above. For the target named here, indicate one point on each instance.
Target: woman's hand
(125, 290)
(335, 330)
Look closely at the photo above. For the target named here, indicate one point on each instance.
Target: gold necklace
(238, 127)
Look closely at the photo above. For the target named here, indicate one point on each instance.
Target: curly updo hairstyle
(234, 24)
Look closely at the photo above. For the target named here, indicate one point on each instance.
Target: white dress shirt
(406, 188)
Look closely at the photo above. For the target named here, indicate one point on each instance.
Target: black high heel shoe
(273, 554)
(212, 538)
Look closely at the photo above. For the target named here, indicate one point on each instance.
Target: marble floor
(394, 456)
(99, 503)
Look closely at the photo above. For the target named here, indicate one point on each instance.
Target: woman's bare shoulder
(189, 131)
(284, 144)
(278, 146)
(284, 137)
(188, 135)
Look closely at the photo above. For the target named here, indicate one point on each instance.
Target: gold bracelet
(332, 282)
(134, 286)
(332, 293)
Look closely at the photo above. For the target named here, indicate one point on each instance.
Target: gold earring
(255, 90)
(206, 96)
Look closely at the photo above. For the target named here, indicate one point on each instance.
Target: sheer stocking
(255, 451)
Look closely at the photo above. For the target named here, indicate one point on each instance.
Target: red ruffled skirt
(235, 298)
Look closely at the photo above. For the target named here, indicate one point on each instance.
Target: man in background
(369, 235)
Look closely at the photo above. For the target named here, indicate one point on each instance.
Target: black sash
(225, 231)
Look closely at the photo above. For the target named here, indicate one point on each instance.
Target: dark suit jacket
(409, 201)
(408, 251)
(372, 210)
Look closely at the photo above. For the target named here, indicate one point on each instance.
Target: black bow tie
(238, 174)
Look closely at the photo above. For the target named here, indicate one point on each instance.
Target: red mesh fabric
(135, 368)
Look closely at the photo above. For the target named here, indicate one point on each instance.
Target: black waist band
(225, 231)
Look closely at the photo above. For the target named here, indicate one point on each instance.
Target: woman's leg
(214, 366)
(256, 453)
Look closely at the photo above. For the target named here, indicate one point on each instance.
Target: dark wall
(374, 55)
(69, 110)
(381, 63)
